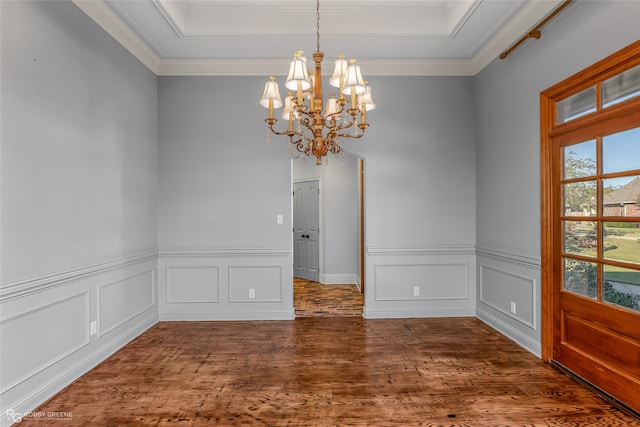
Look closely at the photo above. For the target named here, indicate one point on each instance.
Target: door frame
(605, 68)
(361, 216)
(562, 336)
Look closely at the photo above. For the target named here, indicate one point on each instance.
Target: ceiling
(258, 37)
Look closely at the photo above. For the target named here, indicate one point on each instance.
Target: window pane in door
(577, 105)
(580, 238)
(579, 160)
(622, 241)
(621, 151)
(621, 196)
(622, 287)
(581, 277)
(579, 198)
(619, 88)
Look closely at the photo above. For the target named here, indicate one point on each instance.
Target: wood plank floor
(328, 371)
(315, 299)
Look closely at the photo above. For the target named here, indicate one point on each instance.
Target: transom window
(603, 94)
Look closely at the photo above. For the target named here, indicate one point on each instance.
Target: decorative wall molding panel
(499, 289)
(198, 284)
(422, 250)
(523, 260)
(114, 311)
(508, 296)
(430, 281)
(434, 282)
(38, 284)
(225, 284)
(46, 341)
(41, 347)
(265, 281)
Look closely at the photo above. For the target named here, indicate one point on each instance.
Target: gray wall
(420, 197)
(221, 188)
(79, 198)
(508, 147)
(339, 222)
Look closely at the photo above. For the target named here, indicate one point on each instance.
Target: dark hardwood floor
(315, 299)
(328, 371)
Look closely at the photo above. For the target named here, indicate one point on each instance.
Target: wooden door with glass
(591, 225)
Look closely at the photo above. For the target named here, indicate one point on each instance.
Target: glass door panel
(621, 151)
(579, 160)
(579, 198)
(622, 242)
(622, 287)
(581, 277)
(580, 238)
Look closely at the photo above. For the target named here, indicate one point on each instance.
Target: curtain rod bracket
(535, 32)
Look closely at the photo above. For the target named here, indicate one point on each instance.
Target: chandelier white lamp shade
(317, 130)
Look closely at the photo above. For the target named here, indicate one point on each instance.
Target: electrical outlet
(252, 293)
(513, 307)
(94, 327)
(279, 219)
(416, 291)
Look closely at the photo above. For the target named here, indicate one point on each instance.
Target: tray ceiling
(258, 37)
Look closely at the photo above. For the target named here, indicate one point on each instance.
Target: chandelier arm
(349, 136)
(331, 121)
(275, 132)
(345, 125)
(302, 147)
(306, 122)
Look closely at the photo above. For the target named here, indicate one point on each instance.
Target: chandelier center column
(317, 89)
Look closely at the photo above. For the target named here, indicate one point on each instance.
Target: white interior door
(306, 230)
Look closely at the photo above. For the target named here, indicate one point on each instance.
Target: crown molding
(522, 22)
(278, 67)
(116, 28)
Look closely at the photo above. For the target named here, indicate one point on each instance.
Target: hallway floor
(312, 299)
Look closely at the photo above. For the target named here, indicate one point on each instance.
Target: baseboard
(249, 316)
(510, 332)
(338, 279)
(408, 314)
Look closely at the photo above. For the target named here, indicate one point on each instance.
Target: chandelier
(311, 130)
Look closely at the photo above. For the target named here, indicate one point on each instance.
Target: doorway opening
(328, 236)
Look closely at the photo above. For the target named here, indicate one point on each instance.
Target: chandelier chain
(317, 25)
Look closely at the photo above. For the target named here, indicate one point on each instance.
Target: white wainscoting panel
(193, 284)
(35, 340)
(500, 288)
(503, 279)
(264, 281)
(45, 334)
(434, 281)
(121, 301)
(216, 284)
